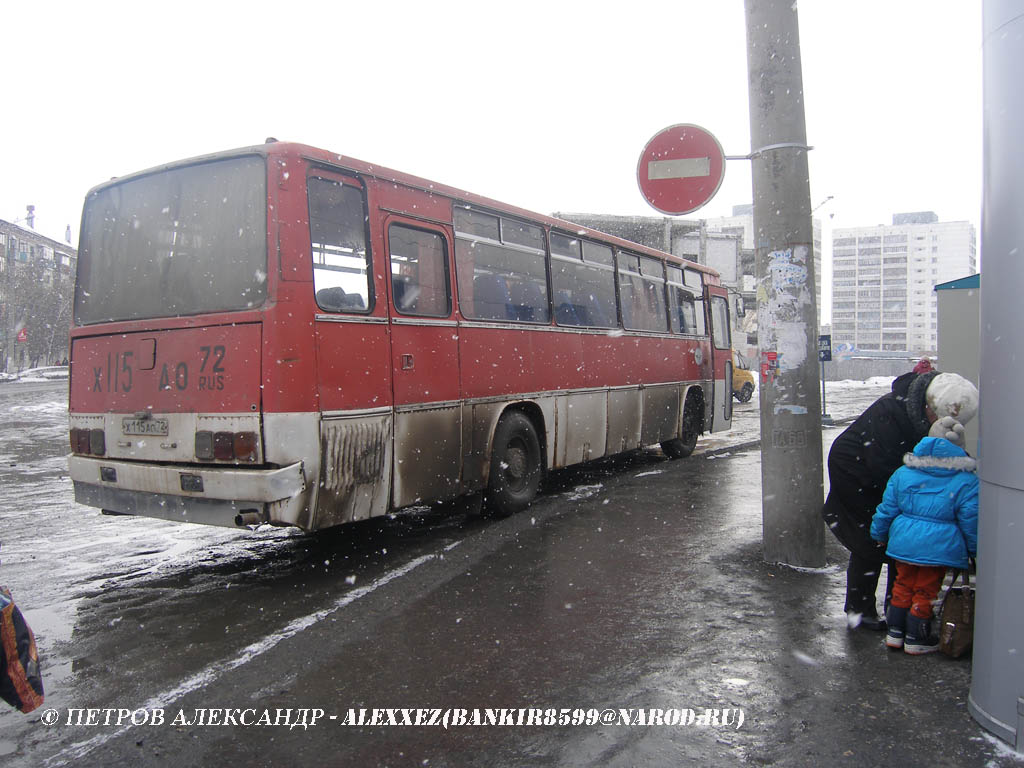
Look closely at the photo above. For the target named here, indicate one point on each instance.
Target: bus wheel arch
(517, 460)
(692, 426)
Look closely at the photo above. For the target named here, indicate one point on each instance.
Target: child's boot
(918, 639)
(897, 621)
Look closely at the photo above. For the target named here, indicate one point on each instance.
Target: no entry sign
(680, 169)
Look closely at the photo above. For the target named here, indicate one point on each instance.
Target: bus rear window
(185, 241)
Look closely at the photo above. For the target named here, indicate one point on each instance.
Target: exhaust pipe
(249, 517)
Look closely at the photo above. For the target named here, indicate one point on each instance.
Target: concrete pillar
(997, 682)
(791, 462)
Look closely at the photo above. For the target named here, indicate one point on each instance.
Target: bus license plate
(144, 427)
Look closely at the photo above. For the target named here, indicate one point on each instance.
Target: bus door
(425, 362)
(721, 357)
(353, 365)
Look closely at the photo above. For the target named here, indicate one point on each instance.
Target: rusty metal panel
(428, 455)
(581, 426)
(624, 412)
(661, 413)
(483, 417)
(355, 477)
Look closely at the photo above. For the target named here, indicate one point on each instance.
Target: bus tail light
(79, 440)
(245, 446)
(88, 441)
(226, 446)
(223, 446)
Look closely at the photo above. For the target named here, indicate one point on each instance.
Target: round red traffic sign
(680, 169)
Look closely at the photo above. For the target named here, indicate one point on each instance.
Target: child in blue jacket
(929, 519)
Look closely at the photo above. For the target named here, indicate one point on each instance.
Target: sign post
(824, 356)
(680, 169)
(791, 456)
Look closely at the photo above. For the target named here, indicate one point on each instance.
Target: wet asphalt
(631, 584)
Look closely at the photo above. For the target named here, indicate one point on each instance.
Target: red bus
(282, 334)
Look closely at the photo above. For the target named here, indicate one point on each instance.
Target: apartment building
(37, 276)
(883, 279)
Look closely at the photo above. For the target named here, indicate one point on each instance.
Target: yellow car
(742, 378)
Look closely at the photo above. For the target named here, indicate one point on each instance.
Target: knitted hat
(950, 394)
(948, 428)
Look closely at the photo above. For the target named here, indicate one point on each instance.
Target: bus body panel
(151, 392)
(581, 427)
(353, 363)
(289, 353)
(425, 205)
(428, 453)
(182, 370)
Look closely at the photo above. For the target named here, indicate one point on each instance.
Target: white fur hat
(950, 394)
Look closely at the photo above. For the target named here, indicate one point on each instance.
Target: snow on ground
(844, 400)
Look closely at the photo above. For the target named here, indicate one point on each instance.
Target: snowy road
(131, 611)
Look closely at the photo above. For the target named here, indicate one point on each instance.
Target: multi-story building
(37, 277)
(883, 279)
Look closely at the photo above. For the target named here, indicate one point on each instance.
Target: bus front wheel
(516, 465)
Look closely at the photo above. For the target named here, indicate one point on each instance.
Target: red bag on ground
(21, 683)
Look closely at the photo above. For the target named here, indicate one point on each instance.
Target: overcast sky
(546, 105)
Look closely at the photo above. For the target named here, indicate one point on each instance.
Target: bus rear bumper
(225, 496)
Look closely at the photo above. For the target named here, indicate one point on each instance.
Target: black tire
(681, 447)
(516, 465)
(745, 393)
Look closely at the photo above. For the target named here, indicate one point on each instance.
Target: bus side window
(584, 282)
(681, 309)
(529, 302)
(683, 313)
(720, 329)
(341, 261)
(491, 298)
(642, 293)
(695, 283)
(500, 268)
(419, 272)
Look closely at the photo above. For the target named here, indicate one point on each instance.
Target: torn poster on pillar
(782, 295)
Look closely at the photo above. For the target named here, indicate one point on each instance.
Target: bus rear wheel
(681, 447)
(515, 465)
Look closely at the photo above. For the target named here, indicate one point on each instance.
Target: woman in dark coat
(859, 465)
(861, 462)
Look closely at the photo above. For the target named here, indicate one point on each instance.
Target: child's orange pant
(916, 586)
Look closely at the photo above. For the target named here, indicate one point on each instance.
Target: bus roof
(273, 148)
